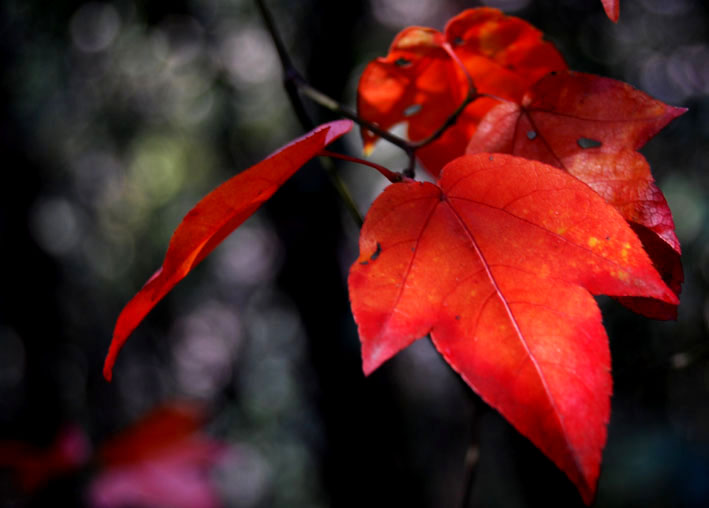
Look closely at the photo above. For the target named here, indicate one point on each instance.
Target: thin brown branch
(470, 96)
(295, 85)
(291, 78)
(289, 70)
(392, 176)
(472, 453)
(334, 106)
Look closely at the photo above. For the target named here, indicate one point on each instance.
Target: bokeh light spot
(55, 224)
(94, 27)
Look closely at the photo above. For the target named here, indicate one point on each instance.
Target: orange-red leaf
(498, 263)
(213, 218)
(416, 82)
(592, 127)
(419, 83)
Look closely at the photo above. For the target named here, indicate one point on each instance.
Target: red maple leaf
(219, 213)
(592, 127)
(419, 83)
(498, 262)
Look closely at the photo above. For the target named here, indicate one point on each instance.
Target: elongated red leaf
(420, 84)
(612, 8)
(213, 218)
(592, 127)
(498, 263)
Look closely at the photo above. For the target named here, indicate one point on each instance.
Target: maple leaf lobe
(592, 127)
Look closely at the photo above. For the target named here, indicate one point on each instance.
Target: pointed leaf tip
(612, 8)
(212, 219)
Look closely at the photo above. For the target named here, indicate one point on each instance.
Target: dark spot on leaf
(553, 73)
(492, 158)
(608, 238)
(364, 262)
(376, 252)
(457, 318)
(531, 135)
(412, 110)
(458, 41)
(402, 62)
(588, 143)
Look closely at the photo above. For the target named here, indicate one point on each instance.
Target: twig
(289, 71)
(409, 147)
(386, 173)
(470, 468)
(295, 84)
(472, 453)
(291, 78)
(334, 106)
(470, 464)
(342, 189)
(470, 96)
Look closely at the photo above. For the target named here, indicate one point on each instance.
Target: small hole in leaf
(374, 256)
(402, 62)
(531, 135)
(412, 110)
(588, 143)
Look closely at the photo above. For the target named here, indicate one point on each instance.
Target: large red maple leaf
(588, 125)
(498, 262)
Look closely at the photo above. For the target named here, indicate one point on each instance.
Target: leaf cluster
(540, 201)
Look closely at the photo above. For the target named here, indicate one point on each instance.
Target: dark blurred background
(118, 116)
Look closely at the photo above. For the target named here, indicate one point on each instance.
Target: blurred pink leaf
(176, 477)
(163, 460)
